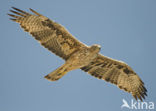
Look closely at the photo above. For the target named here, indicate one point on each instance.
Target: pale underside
(58, 40)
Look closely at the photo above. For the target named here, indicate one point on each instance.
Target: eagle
(77, 55)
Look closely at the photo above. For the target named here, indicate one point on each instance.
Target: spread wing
(50, 34)
(117, 73)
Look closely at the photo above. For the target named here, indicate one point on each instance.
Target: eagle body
(77, 60)
(77, 55)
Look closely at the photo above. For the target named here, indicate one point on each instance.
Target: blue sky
(125, 29)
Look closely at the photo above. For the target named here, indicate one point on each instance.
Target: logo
(137, 105)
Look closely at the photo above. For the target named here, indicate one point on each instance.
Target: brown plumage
(77, 55)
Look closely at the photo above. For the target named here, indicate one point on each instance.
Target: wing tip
(13, 7)
(34, 12)
(12, 15)
(140, 95)
(13, 19)
(19, 10)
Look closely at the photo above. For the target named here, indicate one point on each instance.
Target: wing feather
(117, 73)
(50, 34)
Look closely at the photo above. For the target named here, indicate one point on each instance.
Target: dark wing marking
(49, 33)
(117, 73)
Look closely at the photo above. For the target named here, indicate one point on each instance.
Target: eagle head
(95, 47)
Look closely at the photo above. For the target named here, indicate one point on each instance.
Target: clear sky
(125, 29)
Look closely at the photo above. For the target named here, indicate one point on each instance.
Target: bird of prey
(77, 55)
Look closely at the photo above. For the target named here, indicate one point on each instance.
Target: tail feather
(56, 75)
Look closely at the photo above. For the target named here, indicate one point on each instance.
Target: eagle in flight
(77, 55)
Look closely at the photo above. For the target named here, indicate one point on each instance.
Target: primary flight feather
(77, 55)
